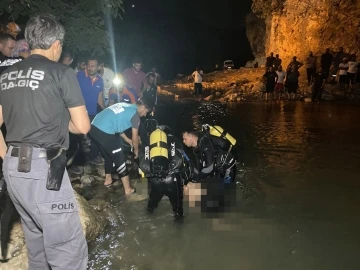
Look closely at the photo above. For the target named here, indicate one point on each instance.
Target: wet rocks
(88, 168)
(87, 180)
(17, 254)
(90, 221)
(98, 204)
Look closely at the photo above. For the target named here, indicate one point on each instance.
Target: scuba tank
(220, 137)
(159, 154)
(218, 131)
(225, 148)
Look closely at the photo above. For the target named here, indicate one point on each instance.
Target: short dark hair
(151, 75)
(42, 31)
(94, 58)
(137, 60)
(4, 37)
(146, 102)
(66, 55)
(191, 131)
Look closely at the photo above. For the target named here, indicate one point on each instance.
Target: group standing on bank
(42, 101)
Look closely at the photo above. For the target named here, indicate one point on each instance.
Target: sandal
(109, 185)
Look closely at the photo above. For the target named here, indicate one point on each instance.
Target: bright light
(117, 81)
(133, 6)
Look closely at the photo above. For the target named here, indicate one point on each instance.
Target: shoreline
(245, 85)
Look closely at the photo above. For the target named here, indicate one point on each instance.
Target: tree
(86, 21)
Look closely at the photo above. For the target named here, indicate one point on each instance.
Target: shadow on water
(297, 203)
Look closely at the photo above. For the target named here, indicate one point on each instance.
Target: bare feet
(130, 191)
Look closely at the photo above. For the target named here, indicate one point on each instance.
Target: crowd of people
(43, 100)
(337, 67)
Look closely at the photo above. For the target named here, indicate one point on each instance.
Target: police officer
(166, 168)
(40, 101)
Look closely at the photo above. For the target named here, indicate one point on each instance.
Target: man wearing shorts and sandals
(197, 75)
(107, 128)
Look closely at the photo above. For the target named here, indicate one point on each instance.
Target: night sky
(178, 35)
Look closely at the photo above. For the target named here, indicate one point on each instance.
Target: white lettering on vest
(172, 149)
(17, 79)
(117, 108)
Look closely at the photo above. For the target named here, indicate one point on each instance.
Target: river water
(298, 196)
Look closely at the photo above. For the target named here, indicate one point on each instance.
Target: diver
(212, 185)
(162, 161)
(215, 153)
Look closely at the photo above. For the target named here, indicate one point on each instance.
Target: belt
(15, 152)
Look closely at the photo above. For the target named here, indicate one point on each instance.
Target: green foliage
(84, 20)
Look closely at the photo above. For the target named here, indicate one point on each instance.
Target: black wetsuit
(170, 184)
(213, 158)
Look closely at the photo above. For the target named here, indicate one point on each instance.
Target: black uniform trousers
(172, 187)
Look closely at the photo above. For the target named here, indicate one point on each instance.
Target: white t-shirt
(108, 78)
(343, 71)
(352, 66)
(198, 76)
(281, 76)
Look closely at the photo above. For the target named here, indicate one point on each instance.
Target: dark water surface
(298, 204)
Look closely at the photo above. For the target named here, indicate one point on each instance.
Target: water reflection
(300, 165)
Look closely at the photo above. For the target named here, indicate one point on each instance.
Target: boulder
(86, 180)
(259, 87)
(209, 98)
(88, 168)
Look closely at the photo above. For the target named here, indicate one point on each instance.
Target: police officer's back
(40, 102)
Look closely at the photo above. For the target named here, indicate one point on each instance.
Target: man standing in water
(197, 75)
(214, 157)
(271, 78)
(38, 113)
(213, 180)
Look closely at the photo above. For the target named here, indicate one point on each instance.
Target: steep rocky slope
(293, 27)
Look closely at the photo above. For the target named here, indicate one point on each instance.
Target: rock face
(292, 27)
(256, 32)
(90, 220)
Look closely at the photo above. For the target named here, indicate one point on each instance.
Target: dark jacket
(6, 62)
(213, 156)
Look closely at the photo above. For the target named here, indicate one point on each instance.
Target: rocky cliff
(293, 27)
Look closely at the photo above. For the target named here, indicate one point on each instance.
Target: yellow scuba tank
(218, 131)
(159, 155)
